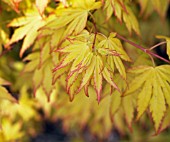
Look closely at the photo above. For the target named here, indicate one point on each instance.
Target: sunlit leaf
(28, 30)
(91, 62)
(153, 83)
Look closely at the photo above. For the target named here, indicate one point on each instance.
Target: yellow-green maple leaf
(70, 21)
(28, 29)
(123, 12)
(113, 45)
(90, 61)
(114, 6)
(153, 85)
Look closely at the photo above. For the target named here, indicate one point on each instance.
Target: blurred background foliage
(34, 117)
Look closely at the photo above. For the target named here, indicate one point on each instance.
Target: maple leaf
(88, 64)
(131, 21)
(123, 13)
(28, 29)
(116, 7)
(154, 84)
(167, 44)
(113, 45)
(70, 21)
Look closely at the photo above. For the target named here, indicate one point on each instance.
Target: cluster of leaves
(70, 51)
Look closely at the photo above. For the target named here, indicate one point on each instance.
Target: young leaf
(114, 44)
(79, 53)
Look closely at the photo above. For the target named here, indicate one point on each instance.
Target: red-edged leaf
(88, 73)
(98, 76)
(108, 77)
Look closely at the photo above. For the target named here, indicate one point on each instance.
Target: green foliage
(83, 51)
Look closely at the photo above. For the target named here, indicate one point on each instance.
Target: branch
(144, 49)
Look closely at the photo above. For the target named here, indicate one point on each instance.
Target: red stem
(142, 48)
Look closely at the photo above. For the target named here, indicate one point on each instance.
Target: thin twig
(130, 42)
(143, 49)
(157, 45)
